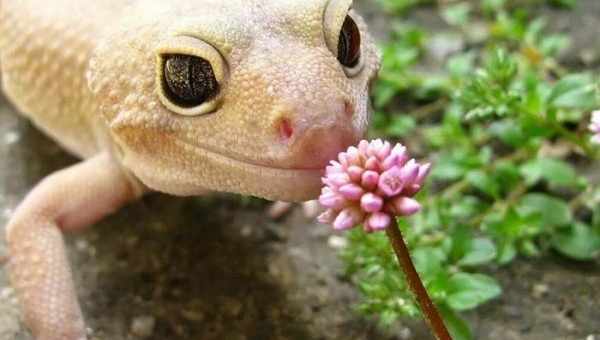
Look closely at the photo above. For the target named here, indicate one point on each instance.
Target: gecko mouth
(235, 160)
(253, 178)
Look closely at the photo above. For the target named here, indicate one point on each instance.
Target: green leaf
(507, 174)
(466, 207)
(528, 247)
(460, 239)
(479, 251)
(461, 65)
(458, 328)
(401, 125)
(398, 6)
(506, 252)
(509, 228)
(564, 3)
(502, 68)
(452, 167)
(484, 182)
(384, 93)
(509, 132)
(575, 91)
(493, 5)
(553, 44)
(428, 261)
(489, 92)
(556, 172)
(458, 14)
(554, 212)
(467, 291)
(578, 241)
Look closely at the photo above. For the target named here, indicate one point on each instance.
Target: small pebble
(589, 56)
(232, 307)
(192, 315)
(405, 333)
(311, 209)
(89, 331)
(7, 213)
(540, 290)
(320, 231)
(6, 293)
(81, 245)
(143, 326)
(246, 231)
(337, 242)
(274, 269)
(274, 232)
(443, 45)
(11, 137)
(591, 337)
(278, 209)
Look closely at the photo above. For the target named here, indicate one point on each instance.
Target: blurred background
(496, 93)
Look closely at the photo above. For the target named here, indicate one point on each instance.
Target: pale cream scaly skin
(89, 74)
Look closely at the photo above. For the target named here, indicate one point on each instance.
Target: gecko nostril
(286, 130)
(348, 108)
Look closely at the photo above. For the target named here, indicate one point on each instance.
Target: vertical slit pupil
(190, 80)
(349, 43)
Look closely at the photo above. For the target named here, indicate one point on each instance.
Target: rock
(540, 290)
(232, 307)
(443, 45)
(11, 138)
(6, 293)
(143, 326)
(405, 333)
(337, 242)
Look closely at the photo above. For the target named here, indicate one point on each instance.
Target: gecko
(183, 97)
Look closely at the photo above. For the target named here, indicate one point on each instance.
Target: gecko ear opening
(190, 76)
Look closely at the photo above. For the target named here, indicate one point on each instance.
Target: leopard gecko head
(245, 96)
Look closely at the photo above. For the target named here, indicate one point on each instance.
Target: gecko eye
(189, 81)
(343, 36)
(349, 43)
(191, 75)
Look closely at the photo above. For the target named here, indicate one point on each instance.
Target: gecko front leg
(67, 200)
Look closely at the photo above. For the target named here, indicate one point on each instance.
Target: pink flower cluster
(371, 184)
(595, 127)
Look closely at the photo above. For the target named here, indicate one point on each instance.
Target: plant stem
(459, 186)
(436, 324)
(573, 138)
(500, 205)
(424, 111)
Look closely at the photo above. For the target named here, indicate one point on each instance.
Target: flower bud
(371, 203)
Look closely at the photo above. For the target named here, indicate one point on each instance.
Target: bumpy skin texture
(88, 73)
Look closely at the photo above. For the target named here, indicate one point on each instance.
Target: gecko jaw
(225, 174)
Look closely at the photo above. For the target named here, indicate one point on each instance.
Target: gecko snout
(313, 139)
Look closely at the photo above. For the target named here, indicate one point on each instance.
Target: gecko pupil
(190, 80)
(349, 43)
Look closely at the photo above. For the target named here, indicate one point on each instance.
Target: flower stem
(436, 324)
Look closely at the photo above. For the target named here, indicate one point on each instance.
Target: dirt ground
(217, 268)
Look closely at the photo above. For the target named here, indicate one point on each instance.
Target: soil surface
(218, 268)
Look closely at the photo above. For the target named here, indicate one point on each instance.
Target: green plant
(505, 125)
